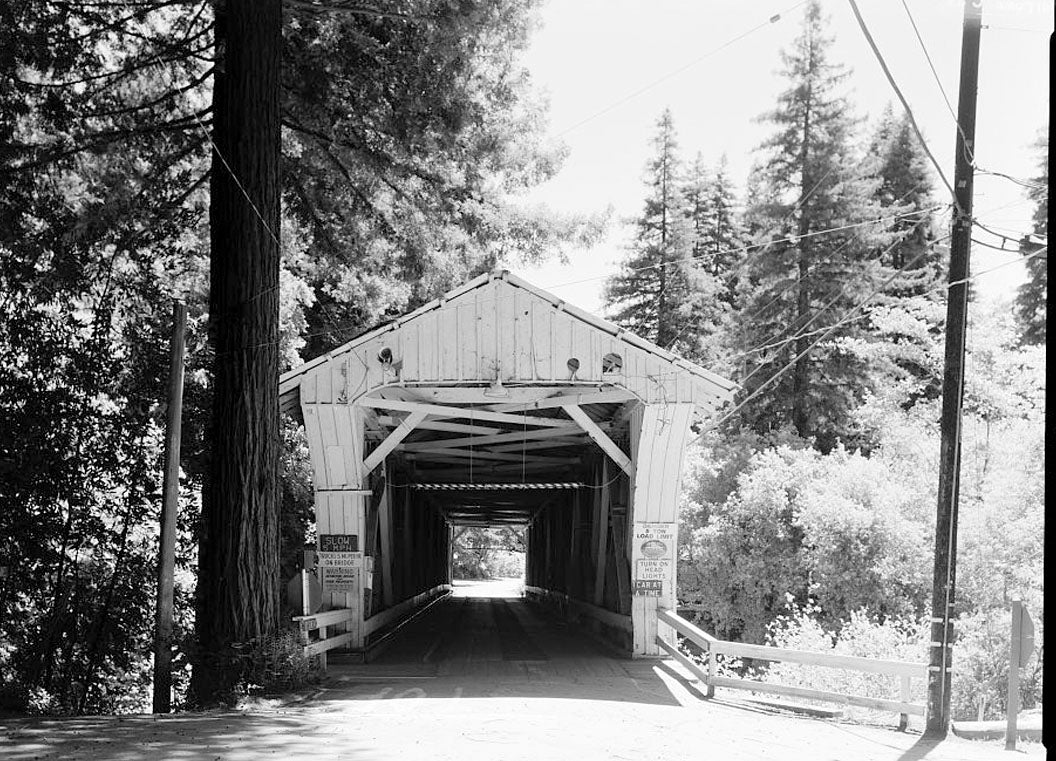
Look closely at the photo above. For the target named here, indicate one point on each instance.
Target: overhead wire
(840, 294)
(792, 283)
(946, 286)
(645, 88)
(901, 97)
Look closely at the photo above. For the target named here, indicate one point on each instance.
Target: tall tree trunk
(800, 373)
(238, 584)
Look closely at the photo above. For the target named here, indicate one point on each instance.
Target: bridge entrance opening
(487, 559)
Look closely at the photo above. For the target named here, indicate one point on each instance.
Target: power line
(901, 97)
(938, 81)
(771, 20)
(838, 324)
(840, 295)
(793, 283)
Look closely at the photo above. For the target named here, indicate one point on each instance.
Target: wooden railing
(320, 623)
(904, 670)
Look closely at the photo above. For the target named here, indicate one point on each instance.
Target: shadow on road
(186, 737)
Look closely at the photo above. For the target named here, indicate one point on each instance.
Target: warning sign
(653, 552)
(339, 579)
(339, 562)
(340, 559)
(648, 588)
(338, 542)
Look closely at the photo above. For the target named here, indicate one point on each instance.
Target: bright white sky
(611, 66)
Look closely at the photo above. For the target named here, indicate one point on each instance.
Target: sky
(610, 67)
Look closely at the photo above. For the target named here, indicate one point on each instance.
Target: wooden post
(306, 603)
(601, 534)
(945, 568)
(1014, 658)
(711, 673)
(162, 702)
(905, 695)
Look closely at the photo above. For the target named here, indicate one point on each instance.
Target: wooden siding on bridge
(499, 327)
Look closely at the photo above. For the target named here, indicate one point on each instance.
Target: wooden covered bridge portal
(500, 404)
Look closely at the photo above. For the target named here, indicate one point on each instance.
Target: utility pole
(169, 505)
(945, 571)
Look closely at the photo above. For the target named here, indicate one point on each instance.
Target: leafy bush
(275, 663)
(981, 666)
(863, 635)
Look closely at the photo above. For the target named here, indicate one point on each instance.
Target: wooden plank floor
(493, 646)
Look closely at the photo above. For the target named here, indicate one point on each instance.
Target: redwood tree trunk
(238, 586)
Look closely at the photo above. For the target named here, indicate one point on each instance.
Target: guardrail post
(903, 718)
(711, 673)
(323, 654)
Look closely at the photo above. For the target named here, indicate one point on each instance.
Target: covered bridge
(499, 404)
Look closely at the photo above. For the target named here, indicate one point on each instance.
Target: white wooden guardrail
(320, 622)
(904, 670)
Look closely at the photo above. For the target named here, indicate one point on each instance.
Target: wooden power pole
(945, 571)
(169, 506)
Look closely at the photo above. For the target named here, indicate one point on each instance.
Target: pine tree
(1032, 298)
(808, 275)
(238, 584)
(906, 190)
(716, 247)
(905, 321)
(650, 295)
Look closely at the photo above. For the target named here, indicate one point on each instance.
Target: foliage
(861, 634)
(853, 532)
(487, 553)
(275, 663)
(652, 293)
(801, 523)
(981, 665)
(797, 366)
(717, 242)
(1032, 298)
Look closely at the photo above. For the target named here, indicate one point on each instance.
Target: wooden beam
(387, 559)
(375, 458)
(439, 425)
(470, 454)
(562, 442)
(577, 396)
(440, 410)
(475, 394)
(600, 438)
(496, 473)
(601, 534)
(500, 438)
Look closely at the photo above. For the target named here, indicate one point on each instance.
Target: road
(487, 678)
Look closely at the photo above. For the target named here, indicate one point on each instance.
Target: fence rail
(904, 670)
(320, 623)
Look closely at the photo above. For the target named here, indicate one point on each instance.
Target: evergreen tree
(906, 189)
(716, 243)
(650, 295)
(806, 278)
(1032, 298)
(905, 321)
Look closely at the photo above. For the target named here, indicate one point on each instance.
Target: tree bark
(800, 372)
(238, 585)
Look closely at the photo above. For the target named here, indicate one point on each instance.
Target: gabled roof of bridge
(718, 388)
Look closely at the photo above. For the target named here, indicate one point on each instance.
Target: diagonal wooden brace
(375, 458)
(600, 438)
